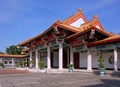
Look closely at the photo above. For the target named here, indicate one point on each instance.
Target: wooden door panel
(76, 60)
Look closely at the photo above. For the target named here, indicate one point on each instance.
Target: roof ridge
(92, 23)
(74, 17)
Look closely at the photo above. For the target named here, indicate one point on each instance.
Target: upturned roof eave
(105, 41)
(69, 28)
(39, 35)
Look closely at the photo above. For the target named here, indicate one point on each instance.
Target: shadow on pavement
(109, 72)
(115, 74)
(107, 83)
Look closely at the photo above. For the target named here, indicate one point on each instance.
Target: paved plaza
(76, 79)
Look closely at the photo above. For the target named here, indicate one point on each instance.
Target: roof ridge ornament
(95, 17)
(57, 21)
(79, 10)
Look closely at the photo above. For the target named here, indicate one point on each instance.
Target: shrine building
(76, 41)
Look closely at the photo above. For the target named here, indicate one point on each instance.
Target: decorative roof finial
(57, 21)
(95, 17)
(79, 10)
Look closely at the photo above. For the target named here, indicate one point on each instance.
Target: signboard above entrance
(105, 46)
(78, 49)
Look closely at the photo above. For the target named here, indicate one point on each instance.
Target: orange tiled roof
(104, 32)
(35, 37)
(80, 32)
(83, 30)
(70, 28)
(12, 56)
(107, 40)
(65, 24)
(74, 17)
(90, 24)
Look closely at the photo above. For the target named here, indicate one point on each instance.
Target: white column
(89, 60)
(36, 58)
(48, 58)
(30, 55)
(60, 56)
(0, 60)
(115, 59)
(26, 62)
(71, 55)
(12, 62)
(30, 58)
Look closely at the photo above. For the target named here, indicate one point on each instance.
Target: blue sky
(22, 19)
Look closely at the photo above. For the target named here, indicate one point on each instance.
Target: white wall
(77, 23)
(95, 56)
(83, 59)
(106, 57)
(8, 64)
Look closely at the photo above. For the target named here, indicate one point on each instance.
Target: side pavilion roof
(12, 56)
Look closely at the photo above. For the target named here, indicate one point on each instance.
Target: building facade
(76, 41)
(10, 61)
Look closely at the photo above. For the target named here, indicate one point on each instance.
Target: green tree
(14, 50)
(1, 52)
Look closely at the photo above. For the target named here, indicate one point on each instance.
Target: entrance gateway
(76, 41)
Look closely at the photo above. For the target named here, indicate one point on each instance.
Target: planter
(43, 71)
(1, 67)
(101, 66)
(101, 71)
(70, 69)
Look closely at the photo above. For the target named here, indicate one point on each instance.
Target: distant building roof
(12, 56)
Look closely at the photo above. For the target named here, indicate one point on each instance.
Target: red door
(76, 60)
